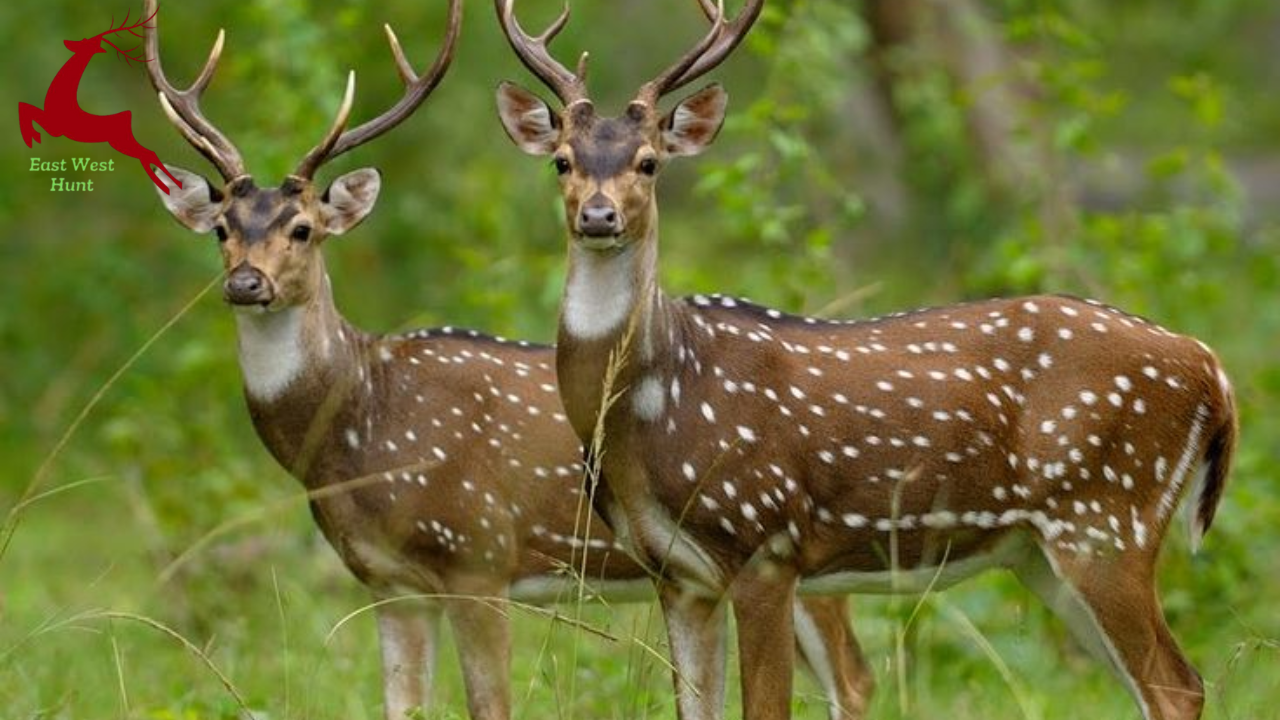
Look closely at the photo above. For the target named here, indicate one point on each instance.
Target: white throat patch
(598, 294)
(271, 352)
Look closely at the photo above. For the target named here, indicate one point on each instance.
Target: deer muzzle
(598, 218)
(246, 285)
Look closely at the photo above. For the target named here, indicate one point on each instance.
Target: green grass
(261, 606)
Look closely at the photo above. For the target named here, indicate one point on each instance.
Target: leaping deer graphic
(63, 116)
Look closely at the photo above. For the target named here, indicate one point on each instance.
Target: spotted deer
(439, 462)
(748, 449)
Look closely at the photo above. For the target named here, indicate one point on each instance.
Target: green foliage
(1155, 107)
(780, 197)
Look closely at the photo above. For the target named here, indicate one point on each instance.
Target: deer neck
(66, 84)
(300, 366)
(613, 310)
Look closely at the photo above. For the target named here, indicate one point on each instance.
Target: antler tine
(569, 86)
(183, 106)
(651, 91)
(730, 37)
(407, 73)
(714, 47)
(210, 65)
(417, 88)
(322, 152)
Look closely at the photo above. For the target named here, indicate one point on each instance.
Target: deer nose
(598, 218)
(246, 285)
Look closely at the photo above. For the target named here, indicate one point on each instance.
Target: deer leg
(28, 114)
(482, 632)
(826, 643)
(697, 634)
(120, 138)
(160, 165)
(763, 605)
(149, 158)
(1111, 608)
(407, 634)
(153, 159)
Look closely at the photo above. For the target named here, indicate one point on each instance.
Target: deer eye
(562, 164)
(301, 233)
(648, 166)
(221, 232)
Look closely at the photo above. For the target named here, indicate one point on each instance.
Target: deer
(747, 452)
(63, 116)
(439, 463)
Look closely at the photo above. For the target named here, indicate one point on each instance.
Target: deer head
(91, 45)
(608, 165)
(270, 238)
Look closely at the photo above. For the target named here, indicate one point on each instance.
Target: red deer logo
(63, 116)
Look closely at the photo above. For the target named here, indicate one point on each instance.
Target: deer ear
(196, 204)
(349, 199)
(691, 126)
(528, 120)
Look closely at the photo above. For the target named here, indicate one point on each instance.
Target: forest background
(879, 155)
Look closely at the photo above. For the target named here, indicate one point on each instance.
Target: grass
(259, 621)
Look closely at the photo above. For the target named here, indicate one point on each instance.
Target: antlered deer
(63, 116)
(749, 449)
(440, 462)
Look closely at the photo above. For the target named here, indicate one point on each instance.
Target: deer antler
(417, 88)
(570, 87)
(709, 52)
(183, 106)
(132, 30)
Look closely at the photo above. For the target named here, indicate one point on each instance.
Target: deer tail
(1217, 465)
